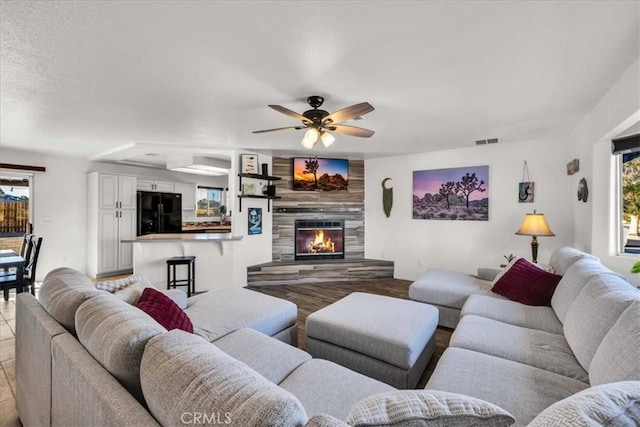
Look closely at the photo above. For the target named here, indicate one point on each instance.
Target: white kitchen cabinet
(111, 218)
(159, 186)
(188, 192)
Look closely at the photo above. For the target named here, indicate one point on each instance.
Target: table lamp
(534, 225)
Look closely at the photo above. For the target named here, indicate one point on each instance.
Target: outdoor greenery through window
(630, 201)
(209, 201)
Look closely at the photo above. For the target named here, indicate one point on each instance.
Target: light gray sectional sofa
(526, 358)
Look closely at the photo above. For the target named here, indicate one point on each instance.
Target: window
(14, 204)
(210, 200)
(628, 150)
(630, 183)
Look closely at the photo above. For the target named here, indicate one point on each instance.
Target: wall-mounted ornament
(573, 166)
(583, 190)
(387, 197)
(525, 188)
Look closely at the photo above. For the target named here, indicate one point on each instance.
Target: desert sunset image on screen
(312, 174)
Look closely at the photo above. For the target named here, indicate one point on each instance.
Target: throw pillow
(526, 283)
(426, 407)
(613, 404)
(114, 285)
(164, 310)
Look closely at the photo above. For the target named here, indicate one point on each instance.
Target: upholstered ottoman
(385, 338)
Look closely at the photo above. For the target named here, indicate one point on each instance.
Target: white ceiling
(118, 80)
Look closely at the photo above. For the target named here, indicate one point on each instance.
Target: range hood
(200, 165)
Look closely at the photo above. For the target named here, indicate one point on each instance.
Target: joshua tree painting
(452, 194)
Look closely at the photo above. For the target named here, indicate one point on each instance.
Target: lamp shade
(535, 224)
(310, 138)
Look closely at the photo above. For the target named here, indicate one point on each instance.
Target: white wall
(594, 222)
(59, 208)
(416, 245)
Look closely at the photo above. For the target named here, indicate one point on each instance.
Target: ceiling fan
(319, 122)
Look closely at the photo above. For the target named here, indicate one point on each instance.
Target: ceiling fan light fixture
(310, 138)
(327, 138)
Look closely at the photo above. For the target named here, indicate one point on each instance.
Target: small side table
(190, 281)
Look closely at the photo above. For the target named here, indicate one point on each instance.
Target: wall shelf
(257, 176)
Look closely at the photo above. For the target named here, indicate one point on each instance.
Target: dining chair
(28, 281)
(25, 244)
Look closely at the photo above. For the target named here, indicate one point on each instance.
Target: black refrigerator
(159, 213)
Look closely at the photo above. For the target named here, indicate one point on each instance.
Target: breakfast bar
(214, 260)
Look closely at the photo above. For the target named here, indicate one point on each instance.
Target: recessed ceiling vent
(487, 141)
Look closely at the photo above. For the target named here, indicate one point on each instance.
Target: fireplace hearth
(319, 239)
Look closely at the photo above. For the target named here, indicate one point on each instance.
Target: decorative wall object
(583, 190)
(525, 188)
(573, 166)
(452, 194)
(249, 163)
(249, 189)
(254, 218)
(525, 192)
(387, 197)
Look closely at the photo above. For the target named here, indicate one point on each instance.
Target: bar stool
(190, 281)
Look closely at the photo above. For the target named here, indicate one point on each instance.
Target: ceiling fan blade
(351, 130)
(349, 113)
(273, 130)
(289, 113)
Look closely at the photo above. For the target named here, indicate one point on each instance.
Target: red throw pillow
(527, 283)
(164, 310)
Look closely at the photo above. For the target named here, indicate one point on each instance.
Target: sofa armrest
(488, 273)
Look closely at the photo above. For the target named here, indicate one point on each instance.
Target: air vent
(486, 141)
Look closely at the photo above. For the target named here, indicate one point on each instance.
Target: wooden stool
(190, 281)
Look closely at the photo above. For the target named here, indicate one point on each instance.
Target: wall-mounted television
(319, 174)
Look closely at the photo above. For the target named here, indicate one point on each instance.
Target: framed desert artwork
(452, 194)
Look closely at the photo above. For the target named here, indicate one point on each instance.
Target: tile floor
(8, 413)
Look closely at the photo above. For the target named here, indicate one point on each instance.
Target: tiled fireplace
(319, 239)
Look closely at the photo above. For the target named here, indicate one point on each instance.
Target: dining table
(10, 260)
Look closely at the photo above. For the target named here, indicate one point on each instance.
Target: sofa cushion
(183, 375)
(511, 312)
(615, 404)
(528, 346)
(269, 357)
(561, 259)
(522, 390)
(216, 313)
(572, 283)
(325, 387)
(448, 288)
(115, 334)
(61, 293)
(527, 283)
(164, 310)
(414, 408)
(596, 309)
(618, 356)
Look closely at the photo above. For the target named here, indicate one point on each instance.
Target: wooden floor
(313, 297)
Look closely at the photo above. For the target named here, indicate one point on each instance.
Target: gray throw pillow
(612, 405)
(416, 408)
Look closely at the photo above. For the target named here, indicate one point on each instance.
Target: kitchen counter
(205, 227)
(214, 254)
(184, 237)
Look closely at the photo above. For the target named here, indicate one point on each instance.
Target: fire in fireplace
(319, 239)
